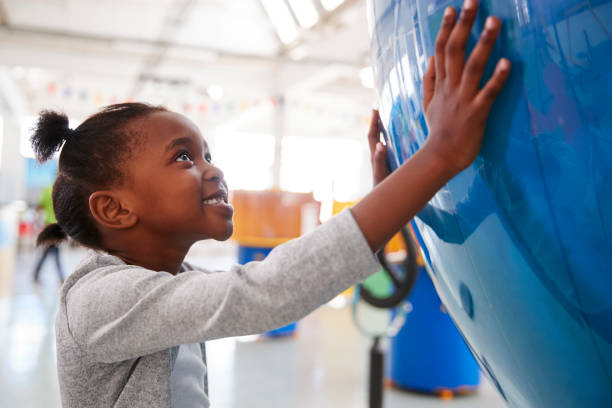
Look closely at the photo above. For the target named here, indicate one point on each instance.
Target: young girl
(136, 183)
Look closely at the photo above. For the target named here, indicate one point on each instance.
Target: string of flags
(198, 108)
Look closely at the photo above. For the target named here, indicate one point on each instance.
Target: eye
(183, 156)
(208, 158)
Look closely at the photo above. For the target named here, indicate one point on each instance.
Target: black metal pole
(376, 374)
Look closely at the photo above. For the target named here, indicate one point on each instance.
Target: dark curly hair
(91, 159)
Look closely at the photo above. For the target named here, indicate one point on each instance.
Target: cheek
(175, 199)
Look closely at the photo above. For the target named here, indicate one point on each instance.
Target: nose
(212, 173)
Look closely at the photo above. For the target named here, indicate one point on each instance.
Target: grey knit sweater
(119, 326)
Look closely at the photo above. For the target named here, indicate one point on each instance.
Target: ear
(110, 211)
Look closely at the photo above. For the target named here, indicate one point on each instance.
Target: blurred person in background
(46, 206)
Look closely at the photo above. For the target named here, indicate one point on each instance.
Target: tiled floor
(324, 365)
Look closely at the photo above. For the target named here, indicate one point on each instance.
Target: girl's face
(176, 191)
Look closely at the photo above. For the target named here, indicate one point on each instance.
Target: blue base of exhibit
(247, 254)
(428, 354)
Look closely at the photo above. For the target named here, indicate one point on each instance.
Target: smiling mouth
(212, 201)
(220, 197)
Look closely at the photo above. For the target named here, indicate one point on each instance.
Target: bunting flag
(51, 88)
(99, 98)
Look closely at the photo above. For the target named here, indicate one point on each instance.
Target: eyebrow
(179, 141)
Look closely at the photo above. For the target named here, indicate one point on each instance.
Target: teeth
(211, 201)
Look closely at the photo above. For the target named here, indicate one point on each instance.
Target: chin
(227, 234)
(223, 238)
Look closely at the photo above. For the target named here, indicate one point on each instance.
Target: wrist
(438, 164)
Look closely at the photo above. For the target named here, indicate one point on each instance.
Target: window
(331, 168)
(246, 159)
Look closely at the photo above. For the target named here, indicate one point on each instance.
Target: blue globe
(519, 245)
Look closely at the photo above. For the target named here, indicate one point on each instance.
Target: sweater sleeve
(119, 312)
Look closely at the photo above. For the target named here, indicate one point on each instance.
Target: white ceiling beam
(174, 18)
(321, 27)
(96, 41)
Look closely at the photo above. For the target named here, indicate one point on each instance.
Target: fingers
(457, 41)
(494, 85)
(374, 132)
(429, 82)
(378, 153)
(448, 22)
(379, 164)
(478, 59)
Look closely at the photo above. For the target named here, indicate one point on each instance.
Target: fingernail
(448, 11)
(490, 23)
(504, 64)
(468, 4)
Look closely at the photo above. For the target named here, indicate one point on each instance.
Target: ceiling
(78, 55)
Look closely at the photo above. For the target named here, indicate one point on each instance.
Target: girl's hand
(378, 152)
(456, 109)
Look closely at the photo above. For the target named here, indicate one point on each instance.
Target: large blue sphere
(520, 243)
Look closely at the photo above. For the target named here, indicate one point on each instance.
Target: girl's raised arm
(456, 110)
